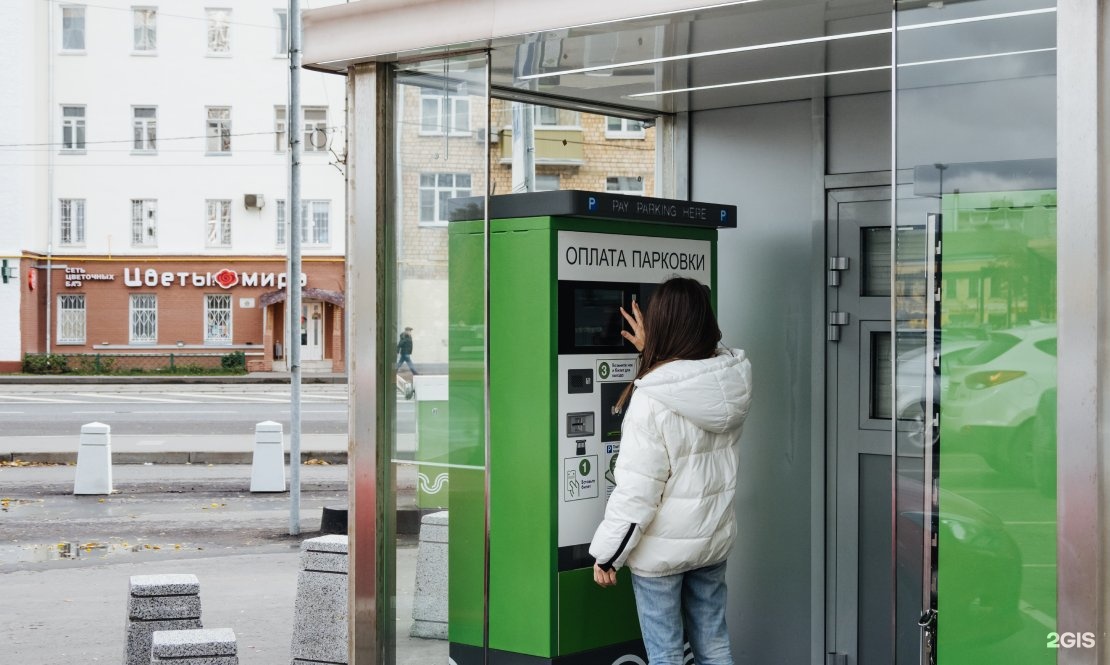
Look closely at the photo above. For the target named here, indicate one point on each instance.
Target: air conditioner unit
(255, 201)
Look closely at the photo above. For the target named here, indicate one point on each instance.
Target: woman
(670, 518)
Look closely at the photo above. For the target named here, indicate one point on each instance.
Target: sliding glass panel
(975, 278)
(439, 450)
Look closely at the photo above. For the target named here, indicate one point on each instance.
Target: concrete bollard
(94, 460)
(159, 603)
(320, 613)
(209, 646)
(429, 604)
(268, 463)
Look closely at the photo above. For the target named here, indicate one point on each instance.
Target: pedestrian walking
(404, 350)
(670, 519)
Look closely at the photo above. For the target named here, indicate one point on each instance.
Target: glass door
(441, 157)
(975, 278)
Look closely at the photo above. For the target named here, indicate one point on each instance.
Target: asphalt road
(175, 409)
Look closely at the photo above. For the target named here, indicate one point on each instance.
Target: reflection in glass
(439, 452)
(976, 493)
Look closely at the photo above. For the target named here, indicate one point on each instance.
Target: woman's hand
(636, 322)
(605, 578)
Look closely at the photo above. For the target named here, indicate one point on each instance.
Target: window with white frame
(144, 318)
(73, 128)
(219, 31)
(546, 116)
(623, 128)
(625, 185)
(146, 29)
(436, 189)
(144, 124)
(71, 318)
(315, 222)
(547, 182)
(217, 318)
(282, 18)
(444, 113)
(316, 129)
(73, 28)
(282, 229)
(218, 130)
(281, 139)
(218, 222)
(144, 222)
(71, 216)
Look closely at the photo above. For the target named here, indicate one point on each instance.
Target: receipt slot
(561, 265)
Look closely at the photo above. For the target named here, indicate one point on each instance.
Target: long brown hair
(679, 324)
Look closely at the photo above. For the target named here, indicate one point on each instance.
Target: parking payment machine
(561, 265)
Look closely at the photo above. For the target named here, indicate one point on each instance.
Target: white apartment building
(144, 170)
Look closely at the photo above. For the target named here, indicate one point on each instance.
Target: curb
(209, 457)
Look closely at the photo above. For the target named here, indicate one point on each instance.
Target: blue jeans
(695, 599)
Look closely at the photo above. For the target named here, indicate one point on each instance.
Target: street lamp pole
(293, 282)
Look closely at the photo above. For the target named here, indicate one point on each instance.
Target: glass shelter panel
(975, 280)
(438, 456)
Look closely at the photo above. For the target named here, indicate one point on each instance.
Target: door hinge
(837, 265)
(836, 320)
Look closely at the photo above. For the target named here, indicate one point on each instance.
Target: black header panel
(596, 205)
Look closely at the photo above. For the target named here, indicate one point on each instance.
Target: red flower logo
(226, 278)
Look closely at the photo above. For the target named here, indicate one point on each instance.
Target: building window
(73, 28)
(72, 216)
(217, 318)
(444, 113)
(146, 29)
(71, 319)
(218, 223)
(144, 123)
(547, 182)
(282, 32)
(219, 31)
(546, 116)
(315, 223)
(316, 129)
(623, 128)
(219, 130)
(280, 138)
(144, 318)
(282, 224)
(633, 185)
(144, 222)
(436, 189)
(73, 128)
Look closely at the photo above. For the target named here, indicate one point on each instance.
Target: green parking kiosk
(561, 264)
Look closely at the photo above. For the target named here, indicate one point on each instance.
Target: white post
(293, 353)
(94, 460)
(268, 463)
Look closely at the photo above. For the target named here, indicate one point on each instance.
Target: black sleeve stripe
(608, 565)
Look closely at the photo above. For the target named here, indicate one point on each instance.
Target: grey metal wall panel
(859, 133)
(761, 158)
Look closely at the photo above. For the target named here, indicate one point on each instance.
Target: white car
(991, 402)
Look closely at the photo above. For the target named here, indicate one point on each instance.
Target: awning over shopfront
(274, 297)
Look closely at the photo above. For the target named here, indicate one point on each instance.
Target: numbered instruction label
(622, 370)
(580, 478)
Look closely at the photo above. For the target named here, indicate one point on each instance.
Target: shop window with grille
(144, 318)
(217, 318)
(71, 318)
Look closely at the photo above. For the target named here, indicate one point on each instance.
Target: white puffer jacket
(671, 510)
